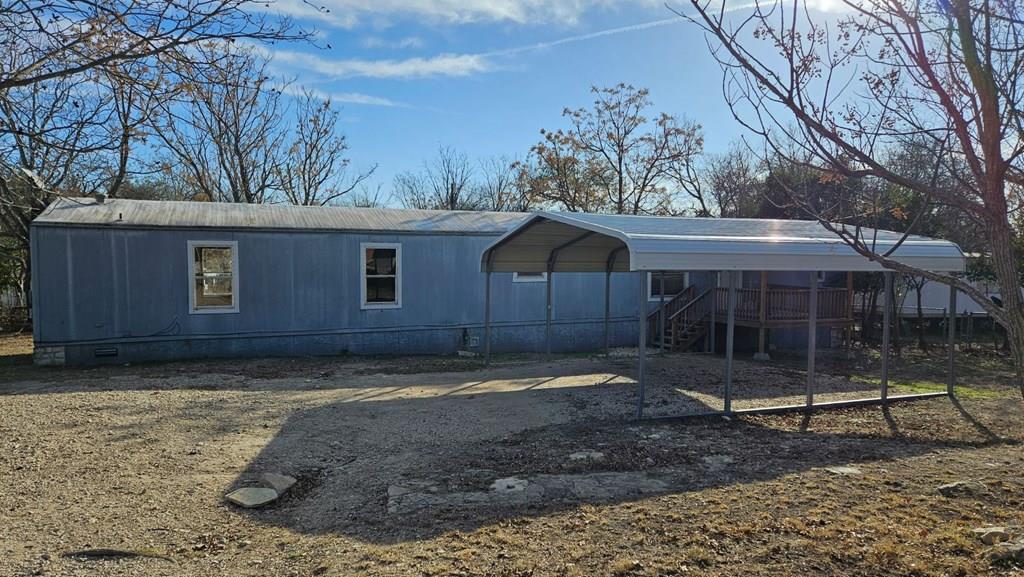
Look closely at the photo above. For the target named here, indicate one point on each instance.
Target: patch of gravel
(137, 460)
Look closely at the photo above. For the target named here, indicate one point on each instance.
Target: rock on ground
(252, 497)
(993, 535)
(278, 482)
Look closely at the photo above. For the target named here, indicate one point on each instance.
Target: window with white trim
(529, 277)
(381, 264)
(675, 283)
(213, 272)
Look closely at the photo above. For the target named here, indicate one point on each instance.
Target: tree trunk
(1004, 261)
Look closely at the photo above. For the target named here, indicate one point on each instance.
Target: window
(213, 286)
(529, 277)
(382, 276)
(675, 283)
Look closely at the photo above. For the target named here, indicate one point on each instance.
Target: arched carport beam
(560, 219)
(610, 264)
(552, 259)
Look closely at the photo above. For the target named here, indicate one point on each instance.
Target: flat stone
(509, 485)
(278, 482)
(586, 456)
(252, 497)
(398, 491)
(962, 489)
(844, 470)
(992, 535)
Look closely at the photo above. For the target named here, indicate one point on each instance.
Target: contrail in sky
(600, 34)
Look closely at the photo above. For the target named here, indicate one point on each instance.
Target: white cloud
(301, 9)
(398, 44)
(351, 13)
(418, 67)
(360, 98)
(455, 65)
(341, 97)
(348, 13)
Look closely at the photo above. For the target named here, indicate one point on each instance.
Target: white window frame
(363, 246)
(531, 278)
(652, 277)
(208, 310)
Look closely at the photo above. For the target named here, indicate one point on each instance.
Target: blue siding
(299, 293)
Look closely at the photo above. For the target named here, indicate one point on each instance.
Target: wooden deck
(780, 307)
(688, 315)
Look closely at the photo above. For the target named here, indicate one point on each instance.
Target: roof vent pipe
(100, 198)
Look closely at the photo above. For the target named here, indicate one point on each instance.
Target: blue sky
(413, 75)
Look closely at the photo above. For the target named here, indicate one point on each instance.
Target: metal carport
(576, 242)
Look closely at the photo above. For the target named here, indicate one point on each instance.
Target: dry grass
(137, 458)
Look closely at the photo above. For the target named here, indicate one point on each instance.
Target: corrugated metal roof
(774, 230)
(585, 242)
(167, 214)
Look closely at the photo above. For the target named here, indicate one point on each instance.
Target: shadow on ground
(385, 468)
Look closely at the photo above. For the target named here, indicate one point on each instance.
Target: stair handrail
(670, 306)
(697, 301)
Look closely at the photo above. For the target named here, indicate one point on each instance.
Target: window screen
(214, 282)
(381, 275)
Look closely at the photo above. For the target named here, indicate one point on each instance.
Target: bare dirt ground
(397, 461)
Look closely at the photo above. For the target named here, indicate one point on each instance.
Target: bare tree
(367, 197)
(889, 74)
(638, 154)
(68, 38)
(226, 130)
(315, 170)
(733, 182)
(502, 186)
(558, 174)
(445, 183)
(78, 84)
(53, 139)
(612, 158)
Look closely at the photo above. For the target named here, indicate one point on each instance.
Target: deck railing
(784, 305)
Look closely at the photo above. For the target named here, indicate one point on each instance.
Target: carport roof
(579, 242)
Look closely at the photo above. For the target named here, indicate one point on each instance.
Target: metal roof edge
(254, 229)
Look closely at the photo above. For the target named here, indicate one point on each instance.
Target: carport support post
(714, 312)
(607, 308)
(951, 344)
(886, 329)
(730, 336)
(487, 315)
(661, 310)
(812, 336)
(642, 357)
(547, 318)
